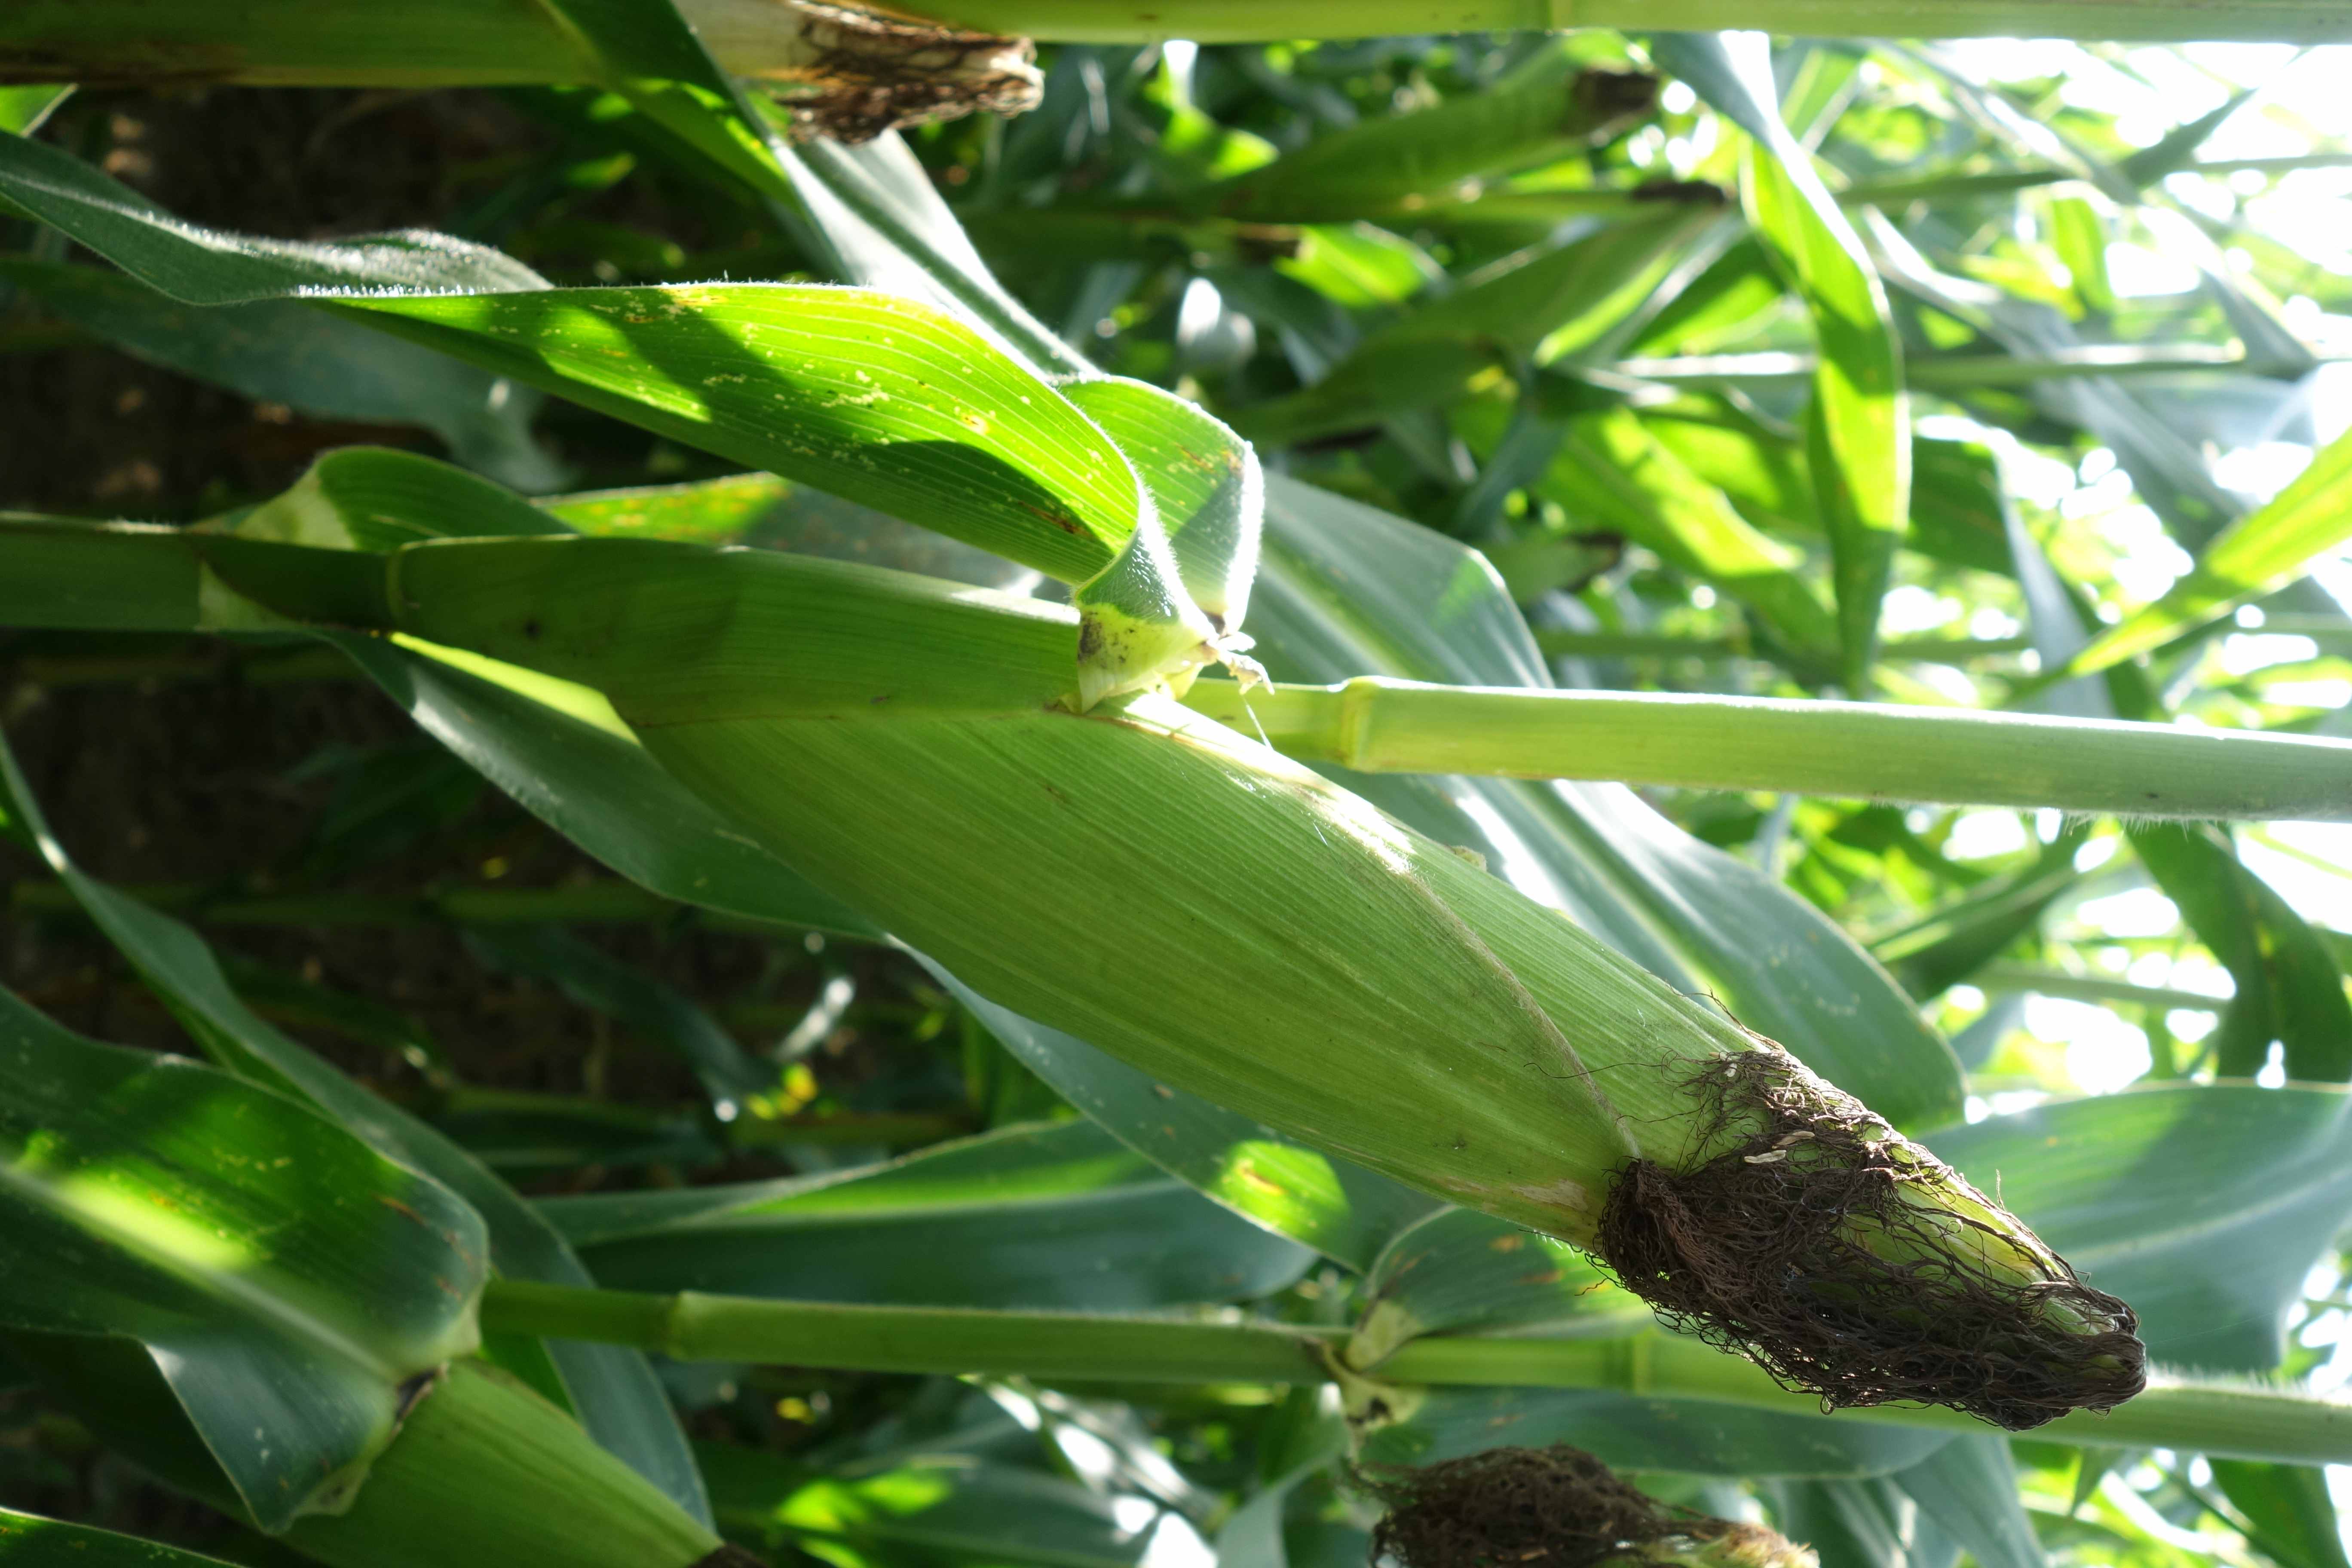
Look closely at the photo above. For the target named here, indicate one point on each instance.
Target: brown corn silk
(1556, 1507)
(1851, 1263)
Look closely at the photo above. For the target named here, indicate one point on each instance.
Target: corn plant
(1187, 608)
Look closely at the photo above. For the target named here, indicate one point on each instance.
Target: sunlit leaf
(291, 1283)
(2259, 553)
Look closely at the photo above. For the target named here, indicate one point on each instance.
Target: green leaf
(1060, 1215)
(29, 1540)
(289, 1281)
(943, 1509)
(1459, 1271)
(2080, 238)
(1338, 1208)
(881, 400)
(1610, 471)
(2289, 988)
(1968, 1487)
(318, 364)
(651, 55)
(1358, 265)
(2202, 1205)
(1848, 1523)
(875, 206)
(2289, 1509)
(1544, 107)
(22, 109)
(563, 753)
(1953, 940)
(1633, 1433)
(203, 266)
(1546, 303)
(519, 1133)
(877, 399)
(1203, 480)
(1857, 430)
(766, 513)
(614, 1390)
(377, 499)
(288, 996)
(636, 1001)
(2255, 555)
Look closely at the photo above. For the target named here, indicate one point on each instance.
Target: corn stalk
(453, 42)
(2213, 1417)
(1876, 751)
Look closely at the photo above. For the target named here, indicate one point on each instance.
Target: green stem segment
(2246, 1421)
(1855, 749)
(1238, 21)
(691, 1326)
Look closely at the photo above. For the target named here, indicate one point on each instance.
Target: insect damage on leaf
(868, 73)
(1556, 1506)
(1850, 1262)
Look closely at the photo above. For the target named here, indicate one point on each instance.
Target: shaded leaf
(1060, 1216)
(1628, 1432)
(276, 350)
(210, 266)
(612, 1388)
(289, 1281)
(29, 1540)
(637, 1001)
(2289, 1509)
(1968, 1487)
(943, 1509)
(1338, 1208)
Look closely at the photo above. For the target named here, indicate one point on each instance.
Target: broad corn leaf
(290, 1282)
(1857, 430)
(204, 266)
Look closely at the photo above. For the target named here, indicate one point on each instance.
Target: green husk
(1217, 915)
(483, 1472)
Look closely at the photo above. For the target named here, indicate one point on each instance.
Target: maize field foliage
(785, 786)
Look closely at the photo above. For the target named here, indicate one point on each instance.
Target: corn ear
(1150, 867)
(485, 1471)
(1193, 902)
(1559, 1506)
